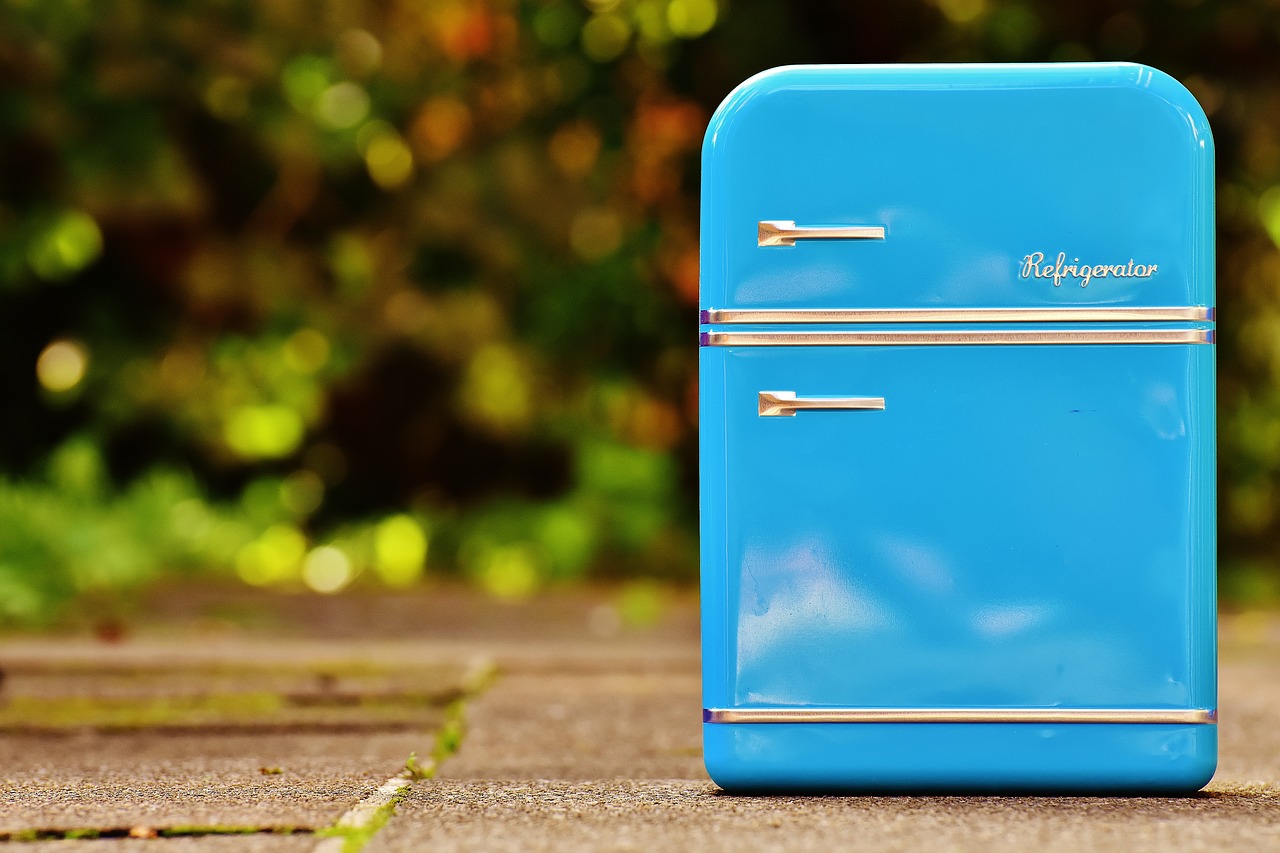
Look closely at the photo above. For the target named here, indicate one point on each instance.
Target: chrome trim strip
(785, 404)
(785, 232)
(996, 336)
(957, 315)
(1197, 716)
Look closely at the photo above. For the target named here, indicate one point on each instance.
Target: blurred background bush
(314, 293)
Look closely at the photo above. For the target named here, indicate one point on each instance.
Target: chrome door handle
(784, 232)
(785, 404)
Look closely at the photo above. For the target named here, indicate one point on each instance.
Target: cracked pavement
(589, 739)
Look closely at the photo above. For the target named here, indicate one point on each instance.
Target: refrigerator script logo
(1035, 266)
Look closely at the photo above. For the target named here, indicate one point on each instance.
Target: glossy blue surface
(941, 758)
(969, 168)
(1021, 526)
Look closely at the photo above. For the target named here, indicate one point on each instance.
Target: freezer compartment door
(958, 526)
(900, 187)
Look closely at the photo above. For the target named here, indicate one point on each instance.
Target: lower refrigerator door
(979, 567)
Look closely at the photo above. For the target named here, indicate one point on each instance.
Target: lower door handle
(785, 404)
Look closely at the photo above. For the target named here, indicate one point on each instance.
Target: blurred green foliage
(316, 292)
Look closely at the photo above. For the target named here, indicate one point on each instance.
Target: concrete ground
(586, 738)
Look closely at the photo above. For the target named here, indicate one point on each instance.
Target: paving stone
(591, 759)
(1249, 720)
(555, 815)
(588, 740)
(172, 730)
(104, 781)
(623, 725)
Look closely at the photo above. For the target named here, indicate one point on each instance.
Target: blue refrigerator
(958, 521)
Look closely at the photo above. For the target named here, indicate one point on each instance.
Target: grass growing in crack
(236, 696)
(180, 831)
(198, 830)
(448, 740)
(354, 838)
(415, 772)
(247, 710)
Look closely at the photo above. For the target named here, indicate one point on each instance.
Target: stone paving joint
(351, 832)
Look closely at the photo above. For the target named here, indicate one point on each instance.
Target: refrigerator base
(1002, 758)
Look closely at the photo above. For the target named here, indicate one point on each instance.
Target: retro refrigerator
(957, 431)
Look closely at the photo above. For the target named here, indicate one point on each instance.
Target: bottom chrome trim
(1202, 716)
(993, 336)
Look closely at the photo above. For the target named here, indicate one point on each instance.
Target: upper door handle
(784, 232)
(780, 404)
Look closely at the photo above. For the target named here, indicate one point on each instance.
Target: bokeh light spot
(303, 79)
(273, 557)
(440, 127)
(182, 369)
(510, 573)
(77, 468)
(342, 105)
(691, 18)
(1269, 211)
(574, 148)
(400, 550)
(264, 432)
(352, 262)
(569, 539)
(1253, 505)
(327, 569)
(640, 604)
(359, 52)
(605, 37)
(555, 25)
(302, 492)
(595, 233)
(62, 365)
(496, 391)
(306, 351)
(389, 160)
(68, 245)
(227, 97)
(962, 11)
(371, 130)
